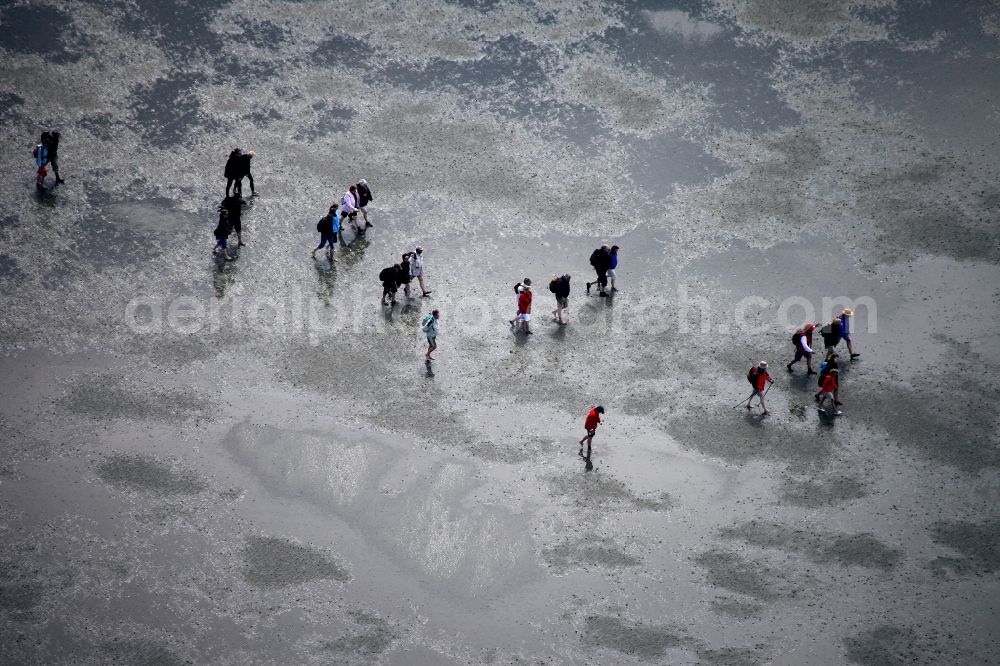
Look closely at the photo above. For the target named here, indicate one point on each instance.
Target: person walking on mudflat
(364, 198)
(802, 339)
(430, 326)
(590, 425)
(389, 277)
(759, 378)
(244, 172)
(417, 270)
(232, 173)
(560, 287)
(328, 226)
(828, 392)
(523, 317)
(613, 266)
(600, 259)
(222, 231)
(845, 330)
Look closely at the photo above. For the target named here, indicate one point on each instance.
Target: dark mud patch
(958, 431)
(603, 490)
(36, 30)
(733, 572)
(820, 547)
(647, 641)
(912, 207)
(168, 108)
(979, 544)
(17, 595)
(109, 397)
(733, 656)
(825, 492)
(801, 19)
(275, 562)
(889, 645)
(375, 636)
(739, 440)
(137, 472)
(737, 608)
(588, 551)
(139, 652)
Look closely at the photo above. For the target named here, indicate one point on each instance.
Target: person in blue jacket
(613, 271)
(845, 330)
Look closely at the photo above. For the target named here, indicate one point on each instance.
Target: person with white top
(349, 207)
(417, 270)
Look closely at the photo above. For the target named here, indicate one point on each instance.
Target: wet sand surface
(250, 463)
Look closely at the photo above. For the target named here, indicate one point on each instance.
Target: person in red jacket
(759, 378)
(523, 307)
(828, 391)
(590, 425)
(803, 339)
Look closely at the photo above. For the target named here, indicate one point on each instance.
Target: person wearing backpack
(364, 198)
(832, 334)
(560, 287)
(404, 274)
(829, 391)
(802, 339)
(388, 276)
(430, 326)
(759, 378)
(600, 259)
(417, 270)
(523, 316)
(826, 367)
(328, 226)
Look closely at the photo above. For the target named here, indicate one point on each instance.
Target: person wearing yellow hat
(845, 330)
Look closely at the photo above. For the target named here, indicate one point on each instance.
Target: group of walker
(828, 396)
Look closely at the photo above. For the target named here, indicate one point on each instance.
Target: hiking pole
(744, 400)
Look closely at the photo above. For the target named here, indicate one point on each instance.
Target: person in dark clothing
(244, 171)
(234, 206)
(600, 259)
(364, 197)
(560, 287)
(832, 334)
(404, 274)
(389, 277)
(222, 231)
(54, 154)
(41, 155)
(232, 172)
(328, 227)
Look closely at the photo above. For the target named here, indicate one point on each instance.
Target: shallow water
(249, 462)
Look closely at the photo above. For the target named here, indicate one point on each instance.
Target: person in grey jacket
(417, 270)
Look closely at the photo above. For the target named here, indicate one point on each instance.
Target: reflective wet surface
(250, 462)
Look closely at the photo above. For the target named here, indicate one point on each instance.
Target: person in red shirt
(523, 307)
(828, 391)
(759, 378)
(590, 425)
